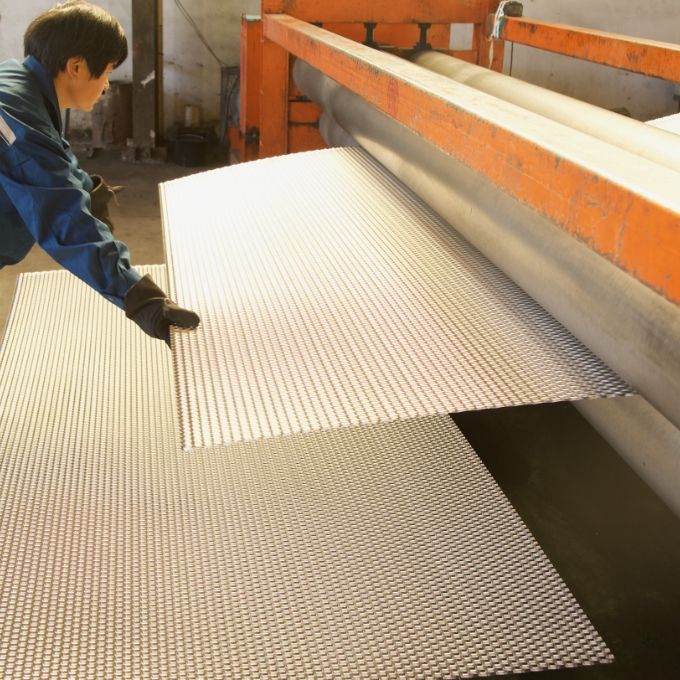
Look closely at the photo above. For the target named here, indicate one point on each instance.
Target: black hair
(76, 28)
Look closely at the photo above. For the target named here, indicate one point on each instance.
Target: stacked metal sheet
(331, 296)
(382, 551)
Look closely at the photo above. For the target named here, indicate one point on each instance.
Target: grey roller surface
(330, 295)
(630, 327)
(383, 551)
(645, 439)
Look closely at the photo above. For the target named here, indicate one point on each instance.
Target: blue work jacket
(44, 194)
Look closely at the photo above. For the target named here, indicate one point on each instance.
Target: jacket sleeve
(50, 193)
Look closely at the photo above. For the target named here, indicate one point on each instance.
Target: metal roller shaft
(645, 438)
(629, 326)
(632, 328)
(332, 133)
(654, 144)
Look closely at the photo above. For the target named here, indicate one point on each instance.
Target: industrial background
(191, 73)
(212, 84)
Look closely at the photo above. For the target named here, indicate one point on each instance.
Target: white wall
(644, 97)
(192, 75)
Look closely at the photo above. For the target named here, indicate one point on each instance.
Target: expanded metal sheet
(384, 551)
(331, 296)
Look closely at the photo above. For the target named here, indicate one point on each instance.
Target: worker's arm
(101, 195)
(52, 195)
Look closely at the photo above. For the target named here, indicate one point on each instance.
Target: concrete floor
(614, 543)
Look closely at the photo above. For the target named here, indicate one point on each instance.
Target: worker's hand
(100, 197)
(151, 309)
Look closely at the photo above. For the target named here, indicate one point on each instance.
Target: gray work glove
(100, 196)
(151, 309)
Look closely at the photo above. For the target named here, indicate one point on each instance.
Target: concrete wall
(192, 74)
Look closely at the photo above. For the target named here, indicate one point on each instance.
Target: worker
(45, 196)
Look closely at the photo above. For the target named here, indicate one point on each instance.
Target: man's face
(86, 90)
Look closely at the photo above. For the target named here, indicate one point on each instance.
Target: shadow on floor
(615, 544)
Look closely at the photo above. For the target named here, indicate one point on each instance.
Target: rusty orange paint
(380, 11)
(303, 129)
(617, 219)
(274, 100)
(398, 35)
(464, 55)
(483, 51)
(305, 138)
(256, 94)
(649, 57)
(303, 112)
(251, 69)
(241, 149)
(234, 137)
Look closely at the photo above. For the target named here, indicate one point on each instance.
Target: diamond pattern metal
(330, 295)
(382, 551)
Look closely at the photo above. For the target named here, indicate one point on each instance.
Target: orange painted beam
(251, 71)
(464, 55)
(623, 207)
(649, 57)
(274, 100)
(305, 138)
(381, 11)
(303, 112)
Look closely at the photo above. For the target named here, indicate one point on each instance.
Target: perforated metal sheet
(330, 296)
(384, 551)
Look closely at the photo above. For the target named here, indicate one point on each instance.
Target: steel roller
(629, 326)
(654, 144)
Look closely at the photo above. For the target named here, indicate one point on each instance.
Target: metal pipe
(332, 133)
(649, 142)
(629, 326)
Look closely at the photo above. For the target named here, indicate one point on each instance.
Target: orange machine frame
(276, 119)
(649, 57)
(621, 217)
